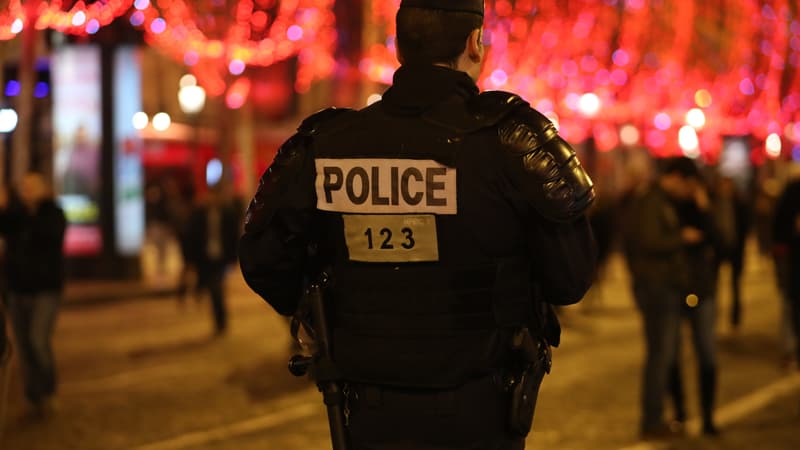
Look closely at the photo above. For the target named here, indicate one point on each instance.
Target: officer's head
(441, 32)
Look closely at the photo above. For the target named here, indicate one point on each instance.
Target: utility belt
(511, 392)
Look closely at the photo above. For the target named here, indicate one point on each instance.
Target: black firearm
(320, 363)
(534, 360)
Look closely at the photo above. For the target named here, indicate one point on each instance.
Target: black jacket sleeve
(545, 171)
(273, 252)
(565, 257)
(273, 249)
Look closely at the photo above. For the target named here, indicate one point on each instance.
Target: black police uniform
(446, 219)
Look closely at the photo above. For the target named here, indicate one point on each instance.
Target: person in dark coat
(732, 224)
(33, 226)
(212, 237)
(655, 246)
(786, 233)
(699, 306)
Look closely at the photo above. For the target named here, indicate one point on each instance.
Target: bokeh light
(696, 118)
(629, 135)
(8, 120)
(162, 121)
(773, 146)
(140, 120)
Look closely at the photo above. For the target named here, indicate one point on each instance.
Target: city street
(147, 374)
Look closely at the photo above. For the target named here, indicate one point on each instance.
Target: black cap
(468, 6)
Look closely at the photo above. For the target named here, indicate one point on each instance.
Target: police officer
(447, 220)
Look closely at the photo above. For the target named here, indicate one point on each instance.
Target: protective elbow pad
(553, 178)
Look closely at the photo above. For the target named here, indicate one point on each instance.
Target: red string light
(80, 19)
(739, 62)
(260, 35)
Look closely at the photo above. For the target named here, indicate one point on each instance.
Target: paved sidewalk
(148, 375)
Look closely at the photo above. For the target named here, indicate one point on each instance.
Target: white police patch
(385, 186)
(397, 238)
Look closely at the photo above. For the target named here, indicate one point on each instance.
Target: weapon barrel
(331, 391)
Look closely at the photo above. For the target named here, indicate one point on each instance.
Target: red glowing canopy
(645, 63)
(219, 43)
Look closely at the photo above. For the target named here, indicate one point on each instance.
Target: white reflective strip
(385, 186)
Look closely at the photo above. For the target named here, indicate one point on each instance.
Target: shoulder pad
(317, 121)
(552, 176)
(526, 130)
(482, 111)
(493, 106)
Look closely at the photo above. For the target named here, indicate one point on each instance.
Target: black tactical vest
(426, 252)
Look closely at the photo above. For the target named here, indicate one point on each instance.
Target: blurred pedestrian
(212, 238)
(178, 210)
(655, 243)
(786, 235)
(699, 305)
(158, 231)
(732, 223)
(33, 226)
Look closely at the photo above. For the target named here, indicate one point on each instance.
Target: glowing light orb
(79, 18)
(158, 26)
(589, 104)
(140, 120)
(747, 87)
(236, 67)
(696, 118)
(213, 172)
(8, 120)
(191, 58)
(191, 99)
(41, 89)
(137, 18)
(187, 80)
(629, 135)
(773, 146)
(234, 100)
(688, 141)
(141, 4)
(703, 98)
(294, 33)
(162, 121)
(17, 26)
(573, 101)
(93, 26)
(499, 77)
(662, 121)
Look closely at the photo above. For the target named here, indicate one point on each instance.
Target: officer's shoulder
(500, 107)
(491, 107)
(507, 106)
(482, 111)
(521, 128)
(325, 120)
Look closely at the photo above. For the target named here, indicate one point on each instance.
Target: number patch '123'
(391, 238)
